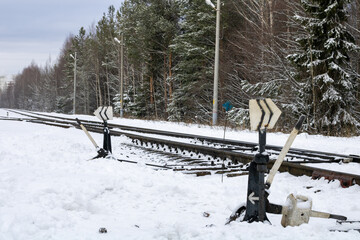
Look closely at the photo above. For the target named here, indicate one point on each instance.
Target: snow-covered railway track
(228, 152)
(199, 164)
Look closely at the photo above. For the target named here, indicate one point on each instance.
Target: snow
(331, 7)
(48, 189)
(331, 43)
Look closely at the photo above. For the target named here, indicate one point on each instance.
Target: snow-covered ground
(48, 189)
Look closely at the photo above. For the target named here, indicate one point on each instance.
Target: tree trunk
(97, 73)
(313, 84)
(170, 75)
(133, 80)
(165, 85)
(271, 17)
(107, 86)
(151, 90)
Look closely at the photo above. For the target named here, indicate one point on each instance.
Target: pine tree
(327, 95)
(148, 26)
(193, 52)
(107, 56)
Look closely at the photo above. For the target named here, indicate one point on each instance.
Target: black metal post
(256, 200)
(225, 123)
(262, 140)
(107, 139)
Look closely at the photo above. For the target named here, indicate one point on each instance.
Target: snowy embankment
(48, 190)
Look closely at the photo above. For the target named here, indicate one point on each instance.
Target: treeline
(302, 54)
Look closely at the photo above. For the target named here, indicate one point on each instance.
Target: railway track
(203, 155)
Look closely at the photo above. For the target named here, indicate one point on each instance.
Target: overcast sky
(35, 30)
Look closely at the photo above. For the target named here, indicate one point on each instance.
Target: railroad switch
(103, 113)
(256, 196)
(102, 152)
(297, 209)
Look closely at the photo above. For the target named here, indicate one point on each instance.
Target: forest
(303, 54)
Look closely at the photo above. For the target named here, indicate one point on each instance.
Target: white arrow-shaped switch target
(263, 114)
(104, 113)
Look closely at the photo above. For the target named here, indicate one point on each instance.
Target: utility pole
(121, 42)
(216, 68)
(122, 76)
(74, 102)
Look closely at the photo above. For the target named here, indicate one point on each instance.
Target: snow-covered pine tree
(107, 57)
(129, 20)
(193, 51)
(328, 94)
